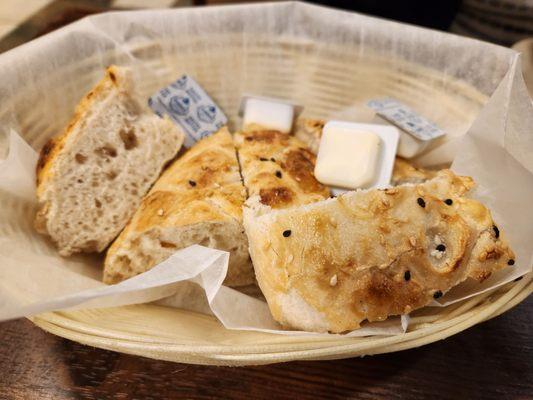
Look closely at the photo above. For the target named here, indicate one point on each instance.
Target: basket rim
(61, 324)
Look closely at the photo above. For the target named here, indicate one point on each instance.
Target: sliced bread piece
(405, 172)
(367, 255)
(197, 200)
(278, 168)
(92, 177)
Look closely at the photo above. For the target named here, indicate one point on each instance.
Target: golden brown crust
(278, 168)
(405, 172)
(202, 186)
(368, 255)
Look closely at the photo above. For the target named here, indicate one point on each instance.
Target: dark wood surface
(493, 360)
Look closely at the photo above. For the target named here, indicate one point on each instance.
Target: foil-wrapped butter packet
(189, 106)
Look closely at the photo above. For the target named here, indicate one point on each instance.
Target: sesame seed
(448, 202)
(510, 262)
(437, 294)
(192, 183)
(333, 280)
(421, 202)
(160, 212)
(407, 275)
(437, 254)
(441, 247)
(278, 174)
(287, 233)
(496, 231)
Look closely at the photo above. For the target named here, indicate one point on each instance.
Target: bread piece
(92, 177)
(278, 168)
(309, 131)
(367, 255)
(404, 172)
(197, 200)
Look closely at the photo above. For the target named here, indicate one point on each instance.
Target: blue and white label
(189, 106)
(406, 119)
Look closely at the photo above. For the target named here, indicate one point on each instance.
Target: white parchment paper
(283, 50)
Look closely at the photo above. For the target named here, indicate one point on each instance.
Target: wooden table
(493, 360)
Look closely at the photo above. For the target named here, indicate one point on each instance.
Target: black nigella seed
(278, 174)
(496, 231)
(287, 233)
(437, 294)
(448, 202)
(441, 247)
(510, 262)
(421, 202)
(263, 159)
(192, 183)
(518, 279)
(407, 275)
(273, 159)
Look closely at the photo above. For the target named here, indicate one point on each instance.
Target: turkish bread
(197, 200)
(278, 168)
(367, 255)
(92, 177)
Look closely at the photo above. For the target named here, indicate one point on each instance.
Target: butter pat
(268, 114)
(353, 155)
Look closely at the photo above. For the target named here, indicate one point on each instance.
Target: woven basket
(325, 79)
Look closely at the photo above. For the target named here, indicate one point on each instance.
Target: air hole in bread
(97, 203)
(128, 138)
(106, 151)
(167, 245)
(111, 175)
(80, 158)
(79, 180)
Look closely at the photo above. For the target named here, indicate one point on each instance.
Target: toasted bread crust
(202, 187)
(369, 255)
(278, 168)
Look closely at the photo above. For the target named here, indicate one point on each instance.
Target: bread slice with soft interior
(92, 177)
(366, 255)
(197, 200)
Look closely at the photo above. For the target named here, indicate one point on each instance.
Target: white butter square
(268, 114)
(353, 155)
